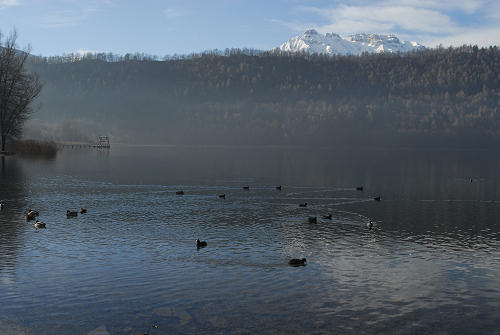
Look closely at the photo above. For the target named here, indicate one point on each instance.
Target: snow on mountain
(313, 42)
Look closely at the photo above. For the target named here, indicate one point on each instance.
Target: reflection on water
(130, 265)
(12, 196)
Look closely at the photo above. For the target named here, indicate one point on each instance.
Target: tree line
(278, 98)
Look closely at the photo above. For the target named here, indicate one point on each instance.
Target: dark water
(130, 266)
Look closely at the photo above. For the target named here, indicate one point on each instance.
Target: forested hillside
(239, 98)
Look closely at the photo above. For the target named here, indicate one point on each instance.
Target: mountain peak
(311, 32)
(330, 43)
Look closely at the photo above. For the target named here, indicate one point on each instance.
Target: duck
(312, 219)
(39, 224)
(377, 198)
(71, 213)
(327, 217)
(83, 210)
(369, 225)
(222, 196)
(1, 206)
(278, 188)
(179, 192)
(31, 215)
(297, 262)
(246, 187)
(359, 188)
(200, 244)
(303, 205)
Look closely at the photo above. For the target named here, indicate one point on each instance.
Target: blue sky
(54, 27)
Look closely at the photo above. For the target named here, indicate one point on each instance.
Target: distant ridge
(333, 44)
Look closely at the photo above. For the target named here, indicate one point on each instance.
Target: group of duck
(72, 214)
(314, 219)
(292, 262)
(32, 215)
(223, 195)
(311, 219)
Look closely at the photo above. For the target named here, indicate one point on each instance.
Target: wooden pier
(101, 143)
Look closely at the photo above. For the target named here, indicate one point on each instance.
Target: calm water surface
(130, 265)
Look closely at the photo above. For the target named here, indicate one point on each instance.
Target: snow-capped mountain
(313, 42)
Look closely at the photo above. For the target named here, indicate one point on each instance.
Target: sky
(156, 27)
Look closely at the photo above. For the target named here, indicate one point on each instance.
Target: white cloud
(63, 18)
(430, 22)
(171, 12)
(9, 3)
(350, 19)
(494, 12)
(468, 6)
(297, 27)
(74, 13)
(483, 37)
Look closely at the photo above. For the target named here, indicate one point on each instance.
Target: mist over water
(131, 264)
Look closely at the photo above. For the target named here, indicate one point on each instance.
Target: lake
(431, 263)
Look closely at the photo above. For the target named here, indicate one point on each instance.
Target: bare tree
(18, 88)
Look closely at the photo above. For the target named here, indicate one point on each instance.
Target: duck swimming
(312, 219)
(369, 225)
(278, 188)
(39, 224)
(377, 198)
(200, 244)
(223, 196)
(327, 217)
(297, 262)
(359, 188)
(179, 192)
(246, 187)
(303, 205)
(31, 215)
(71, 213)
(83, 211)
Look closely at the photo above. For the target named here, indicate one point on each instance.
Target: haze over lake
(430, 264)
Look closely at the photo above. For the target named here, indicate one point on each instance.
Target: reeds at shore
(35, 148)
